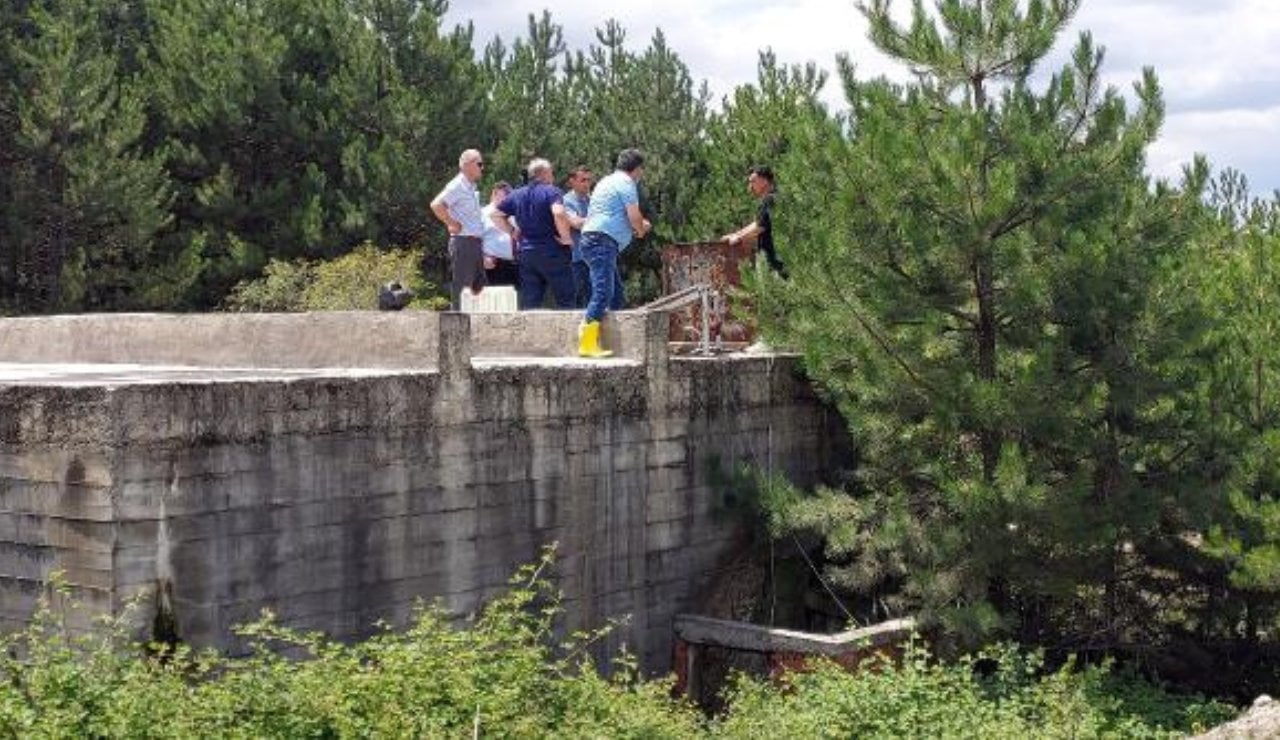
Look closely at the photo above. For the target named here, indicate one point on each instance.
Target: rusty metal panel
(716, 264)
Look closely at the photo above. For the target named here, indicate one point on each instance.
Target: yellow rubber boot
(589, 341)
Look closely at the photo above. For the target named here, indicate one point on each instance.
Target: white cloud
(1244, 139)
(1216, 59)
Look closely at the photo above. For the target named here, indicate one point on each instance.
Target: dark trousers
(504, 272)
(581, 284)
(543, 267)
(775, 264)
(467, 259)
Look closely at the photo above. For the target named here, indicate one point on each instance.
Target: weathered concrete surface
(554, 334)
(333, 339)
(71, 374)
(338, 499)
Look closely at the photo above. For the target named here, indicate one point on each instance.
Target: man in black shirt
(760, 183)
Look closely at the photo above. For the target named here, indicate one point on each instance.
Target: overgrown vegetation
(346, 283)
(503, 674)
(999, 692)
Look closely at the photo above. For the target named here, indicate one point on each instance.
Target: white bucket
(493, 299)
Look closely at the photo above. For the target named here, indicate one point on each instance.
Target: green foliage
(1000, 692)
(1235, 257)
(84, 198)
(347, 283)
(505, 673)
(156, 153)
(996, 306)
(501, 675)
(299, 129)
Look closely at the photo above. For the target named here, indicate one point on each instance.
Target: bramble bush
(504, 674)
(999, 692)
(347, 283)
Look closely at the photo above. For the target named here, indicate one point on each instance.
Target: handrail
(698, 292)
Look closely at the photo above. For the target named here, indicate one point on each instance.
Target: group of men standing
(537, 238)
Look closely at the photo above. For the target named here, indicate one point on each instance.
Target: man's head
(471, 165)
(760, 180)
(631, 161)
(500, 190)
(540, 171)
(581, 180)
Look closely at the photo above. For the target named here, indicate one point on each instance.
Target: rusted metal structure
(717, 265)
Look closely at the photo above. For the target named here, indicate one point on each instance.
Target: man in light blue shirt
(613, 216)
(577, 199)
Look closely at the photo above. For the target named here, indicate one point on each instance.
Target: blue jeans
(582, 278)
(544, 266)
(601, 253)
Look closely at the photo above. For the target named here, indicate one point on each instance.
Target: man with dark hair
(545, 243)
(577, 199)
(458, 208)
(612, 218)
(760, 183)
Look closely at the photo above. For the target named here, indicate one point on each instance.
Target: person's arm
(561, 217)
(750, 231)
(576, 220)
(502, 221)
(639, 223)
(441, 211)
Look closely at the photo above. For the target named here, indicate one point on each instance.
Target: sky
(1218, 61)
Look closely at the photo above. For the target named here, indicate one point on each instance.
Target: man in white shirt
(458, 208)
(499, 240)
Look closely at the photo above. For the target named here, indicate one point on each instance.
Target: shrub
(347, 283)
(503, 675)
(1001, 692)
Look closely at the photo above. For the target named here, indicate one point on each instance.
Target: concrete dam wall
(336, 468)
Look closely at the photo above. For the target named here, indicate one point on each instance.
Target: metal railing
(697, 293)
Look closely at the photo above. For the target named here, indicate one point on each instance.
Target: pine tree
(302, 129)
(1240, 253)
(85, 200)
(992, 309)
(527, 86)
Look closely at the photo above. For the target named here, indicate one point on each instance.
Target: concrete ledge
(331, 339)
(554, 334)
(115, 375)
(408, 340)
(760, 639)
